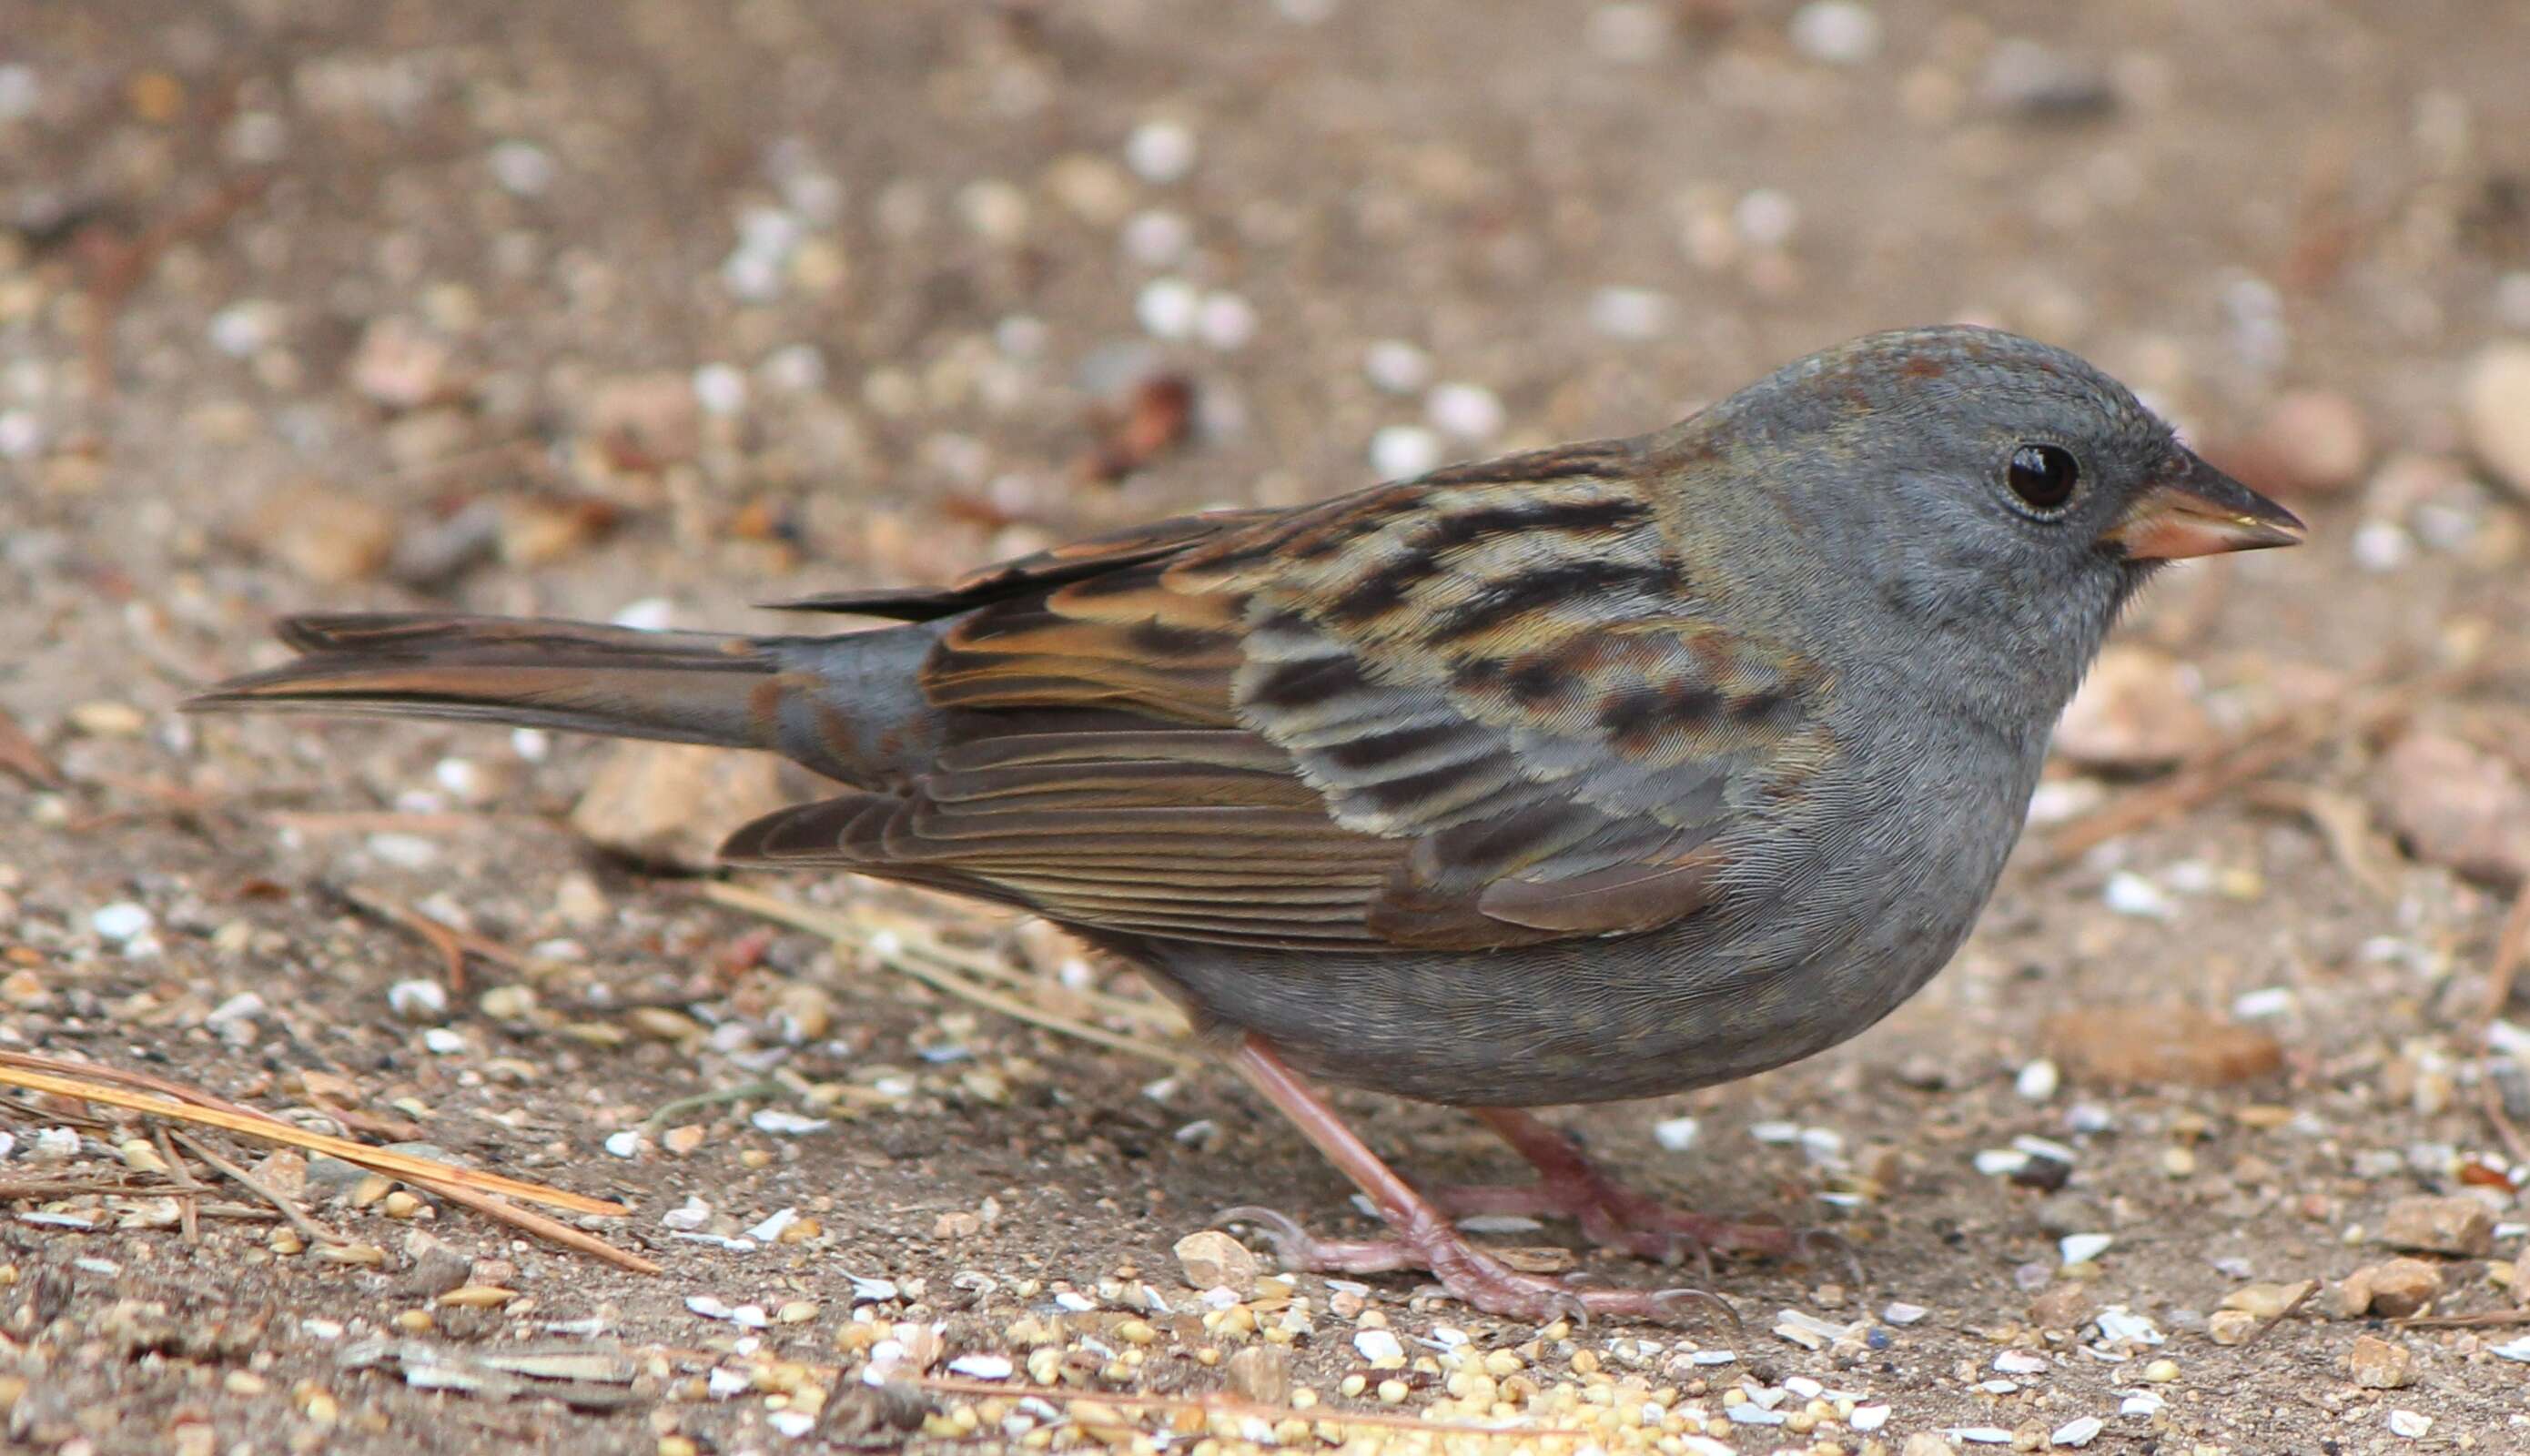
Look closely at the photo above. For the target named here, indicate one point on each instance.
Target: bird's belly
(1706, 1000)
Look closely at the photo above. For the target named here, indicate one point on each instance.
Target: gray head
(1968, 486)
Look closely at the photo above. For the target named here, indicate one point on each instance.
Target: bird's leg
(1570, 1185)
(1424, 1238)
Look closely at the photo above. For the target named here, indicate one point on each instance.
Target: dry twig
(915, 952)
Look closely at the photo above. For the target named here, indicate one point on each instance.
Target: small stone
(2266, 1301)
(419, 1001)
(1261, 1372)
(2410, 1424)
(2454, 1224)
(1465, 411)
(672, 805)
(1840, 32)
(2031, 81)
(2400, 1287)
(2138, 709)
(1402, 451)
(2083, 1248)
(1212, 1260)
(1160, 152)
(329, 537)
(644, 422)
(2456, 805)
(2079, 1431)
(2494, 405)
(2148, 1045)
(104, 718)
(2232, 1327)
(1381, 1348)
(1925, 1443)
(2065, 1306)
(2161, 1372)
(2376, 1364)
(1631, 312)
(1397, 366)
(402, 367)
(122, 921)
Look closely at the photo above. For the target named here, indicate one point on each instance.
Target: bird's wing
(1473, 710)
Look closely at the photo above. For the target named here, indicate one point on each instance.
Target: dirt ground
(661, 310)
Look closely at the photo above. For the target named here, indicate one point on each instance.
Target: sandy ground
(664, 310)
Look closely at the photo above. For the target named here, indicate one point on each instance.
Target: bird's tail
(684, 688)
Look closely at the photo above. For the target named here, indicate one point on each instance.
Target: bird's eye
(2042, 477)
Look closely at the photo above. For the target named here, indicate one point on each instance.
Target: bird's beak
(2195, 510)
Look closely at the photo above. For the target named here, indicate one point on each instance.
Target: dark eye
(2044, 476)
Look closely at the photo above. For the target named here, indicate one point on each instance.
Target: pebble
(2266, 1301)
(1840, 32)
(1160, 152)
(1631, 312)
(523, 167)
(2083, 1248)
(2455, 1224)
(2456, 805)
(1261, 1372)
(2079, 1431)
(1397, 366)
(1765, 217)
(2034, 81)
(2130, 893)
(1466, 411)
(1676, 1134)
(2066, 1305)
(122, 921)
(2136, 710)
(1168, 308)
(328, 536)
(2376, 1364)
(2145, 1045)
(644, 421)
(1381, 1348)
(2410, 1424)
(1225, 321)
(1403, 452)
(2038, 1080)
(1157, 237)
(1899, 1311)
(981, 1367)
(2494, 406)
(418, 1001)
(2232, 1327)
(1211, 1259)
(2394, 1290)
(2381, 546)
(672, 805)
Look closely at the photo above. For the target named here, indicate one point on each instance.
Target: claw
(1665, 1303)
(1289, 1240)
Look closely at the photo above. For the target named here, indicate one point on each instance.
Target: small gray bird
(1598, 771)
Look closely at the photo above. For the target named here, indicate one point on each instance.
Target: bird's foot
(1471, 1276)
(1570, 1185)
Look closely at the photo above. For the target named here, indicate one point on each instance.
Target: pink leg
(1570, 1185)
(1424, 1238)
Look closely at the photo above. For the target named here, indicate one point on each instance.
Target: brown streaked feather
(1092, 556)
(1471, 711)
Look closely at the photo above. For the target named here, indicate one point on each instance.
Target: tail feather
(684, 688)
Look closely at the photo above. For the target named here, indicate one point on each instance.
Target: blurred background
(653, 311)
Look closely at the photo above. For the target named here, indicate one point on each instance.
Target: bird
(1589, 772)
